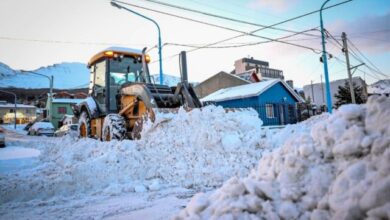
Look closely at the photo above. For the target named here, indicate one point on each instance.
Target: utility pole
(322, 91)
(345, 50)
(324, 58)
(312, 90)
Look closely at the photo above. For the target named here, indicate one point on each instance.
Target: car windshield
(127, 69)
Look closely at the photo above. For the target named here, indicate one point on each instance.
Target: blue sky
(74, 30)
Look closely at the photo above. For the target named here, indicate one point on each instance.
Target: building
(60, 108)
(316, 93)
(261, 68)
(24, 113)
(218, 81)
(274, 100)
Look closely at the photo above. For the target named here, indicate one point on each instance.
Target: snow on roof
(11, 105)
(123, 49)
(73, 101)
(379, 87)
(249, 90)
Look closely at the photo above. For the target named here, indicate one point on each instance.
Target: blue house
(274, 100)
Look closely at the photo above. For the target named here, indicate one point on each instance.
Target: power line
(243, 33)
(225, 18)
(375, 67)
(278, 23)
(239, 44)
(342, 61)
(61, 42)
(333, 38)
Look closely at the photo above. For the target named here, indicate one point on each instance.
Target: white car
(67, 130)
(41, 128)
(2, 138)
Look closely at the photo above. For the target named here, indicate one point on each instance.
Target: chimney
(290, 83)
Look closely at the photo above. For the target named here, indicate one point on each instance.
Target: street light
(325, 61)
(11, 93)
(115, 4)
(51, 80)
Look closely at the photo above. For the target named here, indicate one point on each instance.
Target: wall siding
(274, 95)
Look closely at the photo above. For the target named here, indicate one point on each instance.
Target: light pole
(11, 93)
(51, 80)
(325, 61)
(115, 4)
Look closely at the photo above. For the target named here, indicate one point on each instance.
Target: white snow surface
(198, 149)
(248, 90)
(380, 87)
(168, 80)
(330, 167)
(66, 76)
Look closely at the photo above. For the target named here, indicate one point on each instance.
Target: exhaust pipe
(183, 67)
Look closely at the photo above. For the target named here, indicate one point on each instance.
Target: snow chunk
(329, 167)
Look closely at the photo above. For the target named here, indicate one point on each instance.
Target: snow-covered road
(153, 178)
(21, 155)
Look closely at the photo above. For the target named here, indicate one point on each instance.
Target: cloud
(274, 5)
(370, 33)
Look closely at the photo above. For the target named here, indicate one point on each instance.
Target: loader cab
(112, 68)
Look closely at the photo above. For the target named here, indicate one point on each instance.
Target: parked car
(2, 138)
(67, 130)
(41, 128)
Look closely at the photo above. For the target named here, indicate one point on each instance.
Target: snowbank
(336, 168)
(202, 148)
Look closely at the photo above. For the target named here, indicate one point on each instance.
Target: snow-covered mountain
(66, 76)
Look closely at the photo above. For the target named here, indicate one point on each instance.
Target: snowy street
(21, 154)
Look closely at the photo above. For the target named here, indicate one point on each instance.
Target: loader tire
(114, 127)
(84, 125)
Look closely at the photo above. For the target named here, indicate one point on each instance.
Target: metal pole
(345, 50)
(324, 59)
(15, 108)
(115, 4)
(312, 90)
(322, 91)
(50, 99)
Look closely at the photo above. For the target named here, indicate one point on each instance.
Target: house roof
(71, 101)
(249, 90)
(9, 105)
(226, 74)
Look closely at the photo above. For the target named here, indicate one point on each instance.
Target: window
(61, 110)
(269, 110)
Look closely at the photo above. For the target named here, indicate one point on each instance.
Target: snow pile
(337, 168)
(201, 148)
(380, 87)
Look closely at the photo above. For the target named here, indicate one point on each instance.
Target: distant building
(24, 113)
(218, 81)
(317, 92)
(62, 107)
(274, 100)
(261, 68)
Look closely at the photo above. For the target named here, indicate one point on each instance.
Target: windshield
(127, 69)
